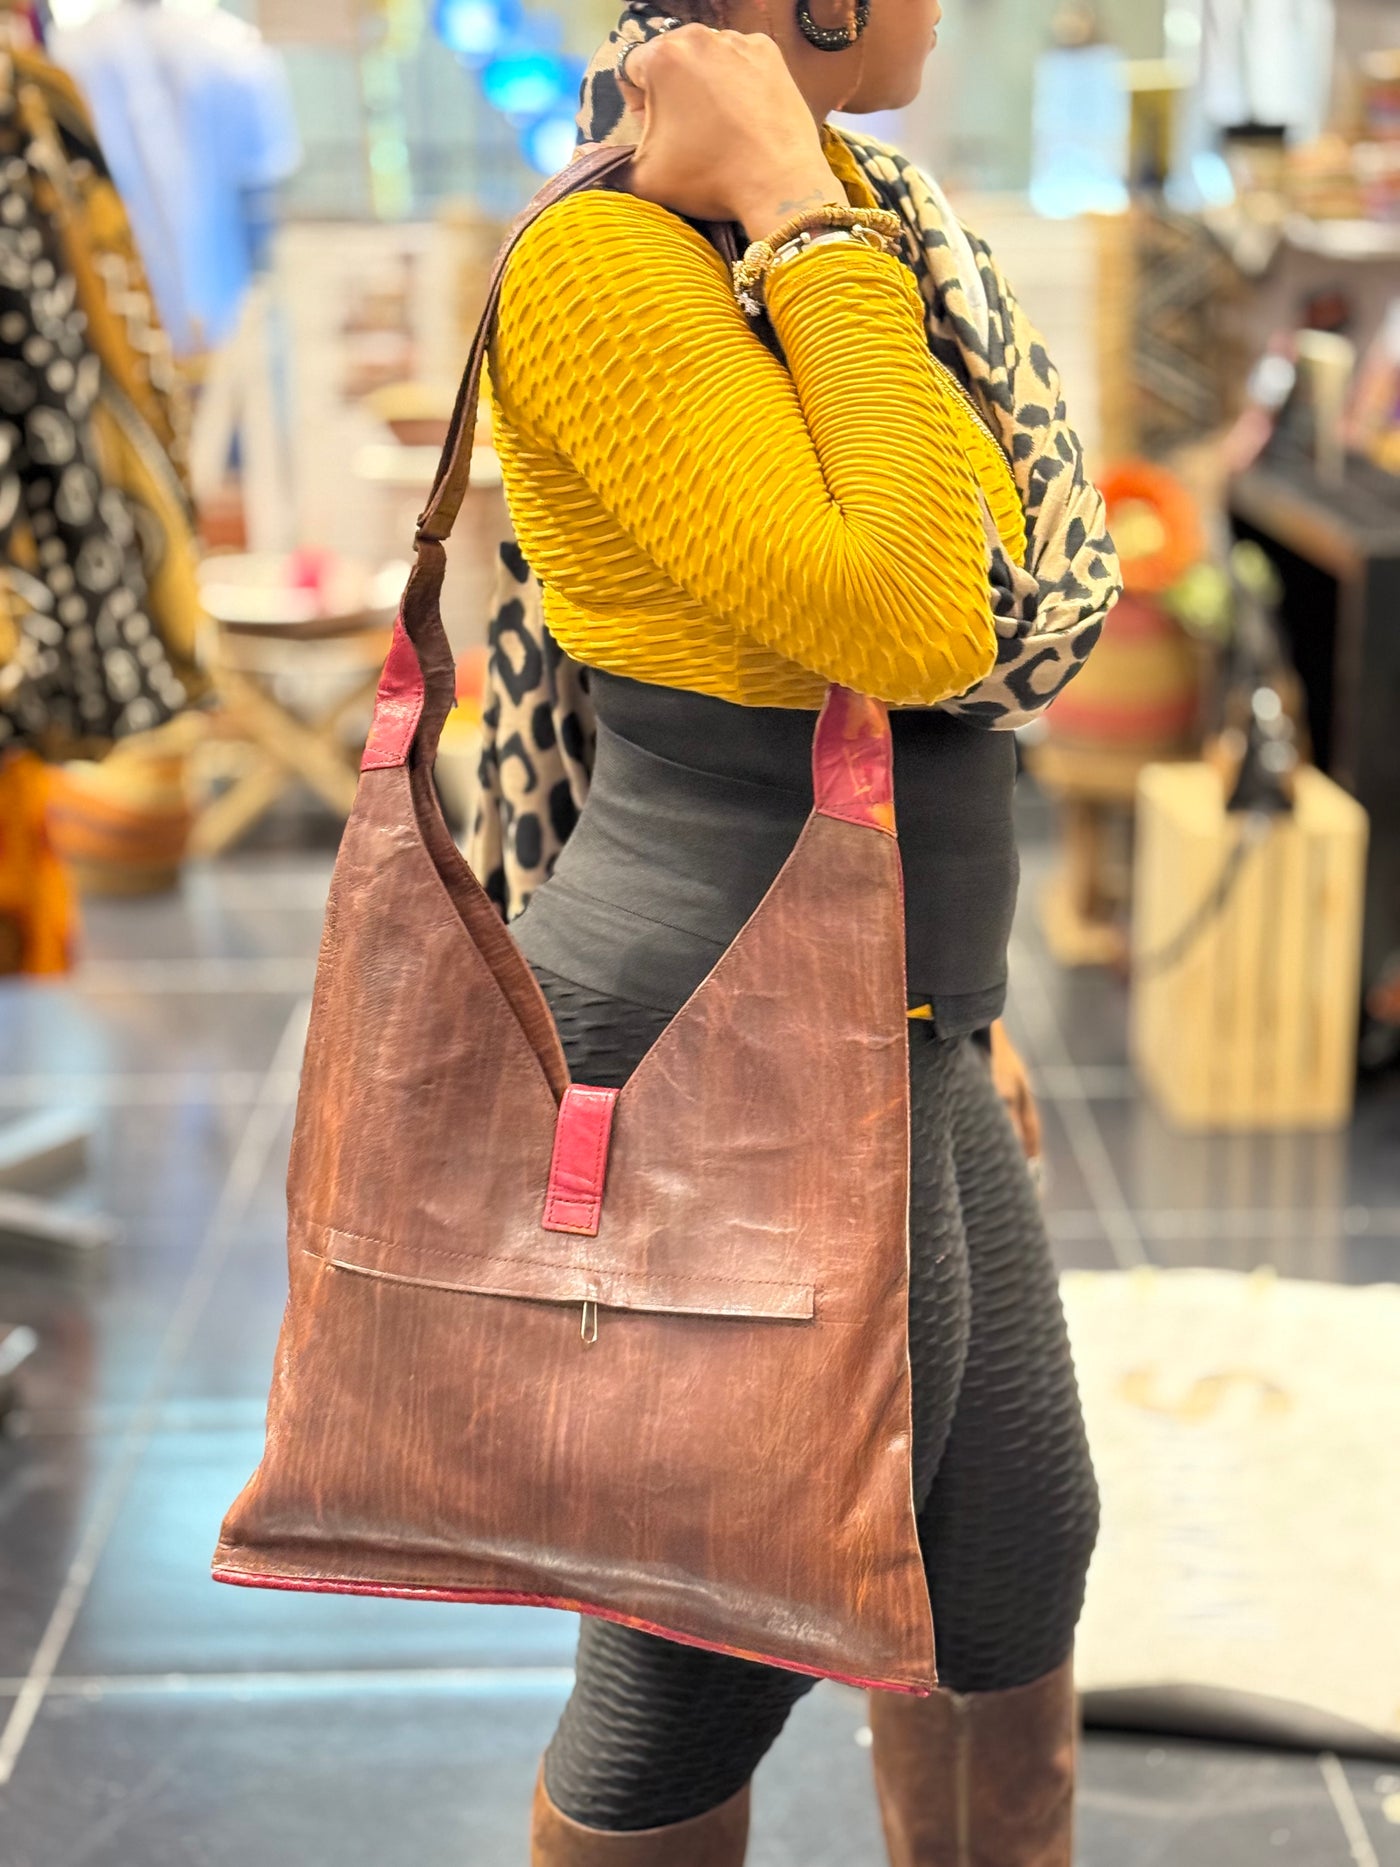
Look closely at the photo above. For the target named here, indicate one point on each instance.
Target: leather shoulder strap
(418, 689)
(590, 169)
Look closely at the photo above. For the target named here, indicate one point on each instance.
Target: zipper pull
(589, 1329)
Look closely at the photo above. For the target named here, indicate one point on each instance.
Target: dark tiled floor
(152, 1719)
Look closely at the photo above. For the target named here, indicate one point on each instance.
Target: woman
(729, 508)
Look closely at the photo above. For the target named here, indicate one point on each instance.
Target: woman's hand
(728, 134)
(1013, 1085)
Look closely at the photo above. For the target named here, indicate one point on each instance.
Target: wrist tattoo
(799, 202)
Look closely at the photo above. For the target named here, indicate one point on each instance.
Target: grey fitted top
(695, 805)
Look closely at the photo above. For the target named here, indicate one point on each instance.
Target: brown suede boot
(982, 1780)
(719, 1839)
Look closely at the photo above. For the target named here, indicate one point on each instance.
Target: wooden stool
(271, 644)
(1247, 957)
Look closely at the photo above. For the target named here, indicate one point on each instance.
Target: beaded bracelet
(873, 225)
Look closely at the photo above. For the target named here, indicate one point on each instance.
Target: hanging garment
(94, 229)
(95, 528)
(37, 913)
(638, 1353)
(1268, 62)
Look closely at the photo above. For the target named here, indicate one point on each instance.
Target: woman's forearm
(830, 509)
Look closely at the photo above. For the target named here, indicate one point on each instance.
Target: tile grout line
(205, 977)
(141, 1088)
(175, 1684)
(1106, 1082)
(1085, 1136)
(245, 1170)
(274, 891)
(1344, 1801)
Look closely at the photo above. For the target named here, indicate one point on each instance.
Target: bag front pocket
(554, 1269)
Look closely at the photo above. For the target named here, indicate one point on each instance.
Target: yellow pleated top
(704, 516)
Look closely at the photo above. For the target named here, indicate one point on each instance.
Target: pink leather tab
(398, 706)
(853, 761)
(574, 1202)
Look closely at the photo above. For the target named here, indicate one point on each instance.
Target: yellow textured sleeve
(829, 510)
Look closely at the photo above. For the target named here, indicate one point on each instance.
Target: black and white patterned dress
(83, 663)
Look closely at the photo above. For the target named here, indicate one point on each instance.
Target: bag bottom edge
(495, 1597)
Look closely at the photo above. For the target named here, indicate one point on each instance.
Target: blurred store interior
(259, 234)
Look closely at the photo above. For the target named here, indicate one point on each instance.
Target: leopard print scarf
(538, 721)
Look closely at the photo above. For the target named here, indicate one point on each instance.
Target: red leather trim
(579, 1168)
(493, 1598)
(853, 762)
(398, 706)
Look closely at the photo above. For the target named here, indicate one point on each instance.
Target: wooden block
(1253, 1024)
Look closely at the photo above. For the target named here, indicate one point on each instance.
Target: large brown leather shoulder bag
(642, 1354)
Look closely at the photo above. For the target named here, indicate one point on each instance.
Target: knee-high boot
(984, 1779)
(719, 1839)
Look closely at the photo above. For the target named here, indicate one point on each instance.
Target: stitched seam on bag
(860, 823)
(572, 1217)
(377, 758)
(540, 1264)
(408, 1591)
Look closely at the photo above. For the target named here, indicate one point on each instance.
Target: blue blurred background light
(1081, 128)
(521, 72)
(476, 29)
(549, 144)
(526, 85)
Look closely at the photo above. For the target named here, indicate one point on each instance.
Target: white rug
(1246, 1431)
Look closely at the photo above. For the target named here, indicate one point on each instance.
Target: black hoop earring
(831, 38)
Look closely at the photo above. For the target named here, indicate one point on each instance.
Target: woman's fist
(728, 135)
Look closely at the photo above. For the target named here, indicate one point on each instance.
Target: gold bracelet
(825, 236)
(833, 214)
(876, 224)
(758, 256)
